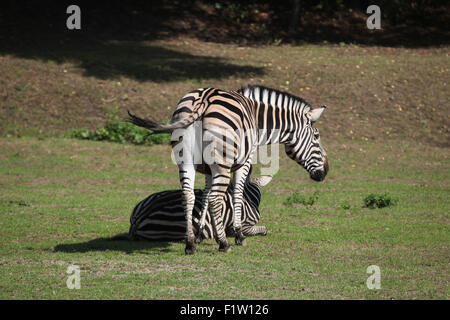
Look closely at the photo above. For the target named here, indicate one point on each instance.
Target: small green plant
(345, 206)
(373, 201)
(121, 132)
(302, 199)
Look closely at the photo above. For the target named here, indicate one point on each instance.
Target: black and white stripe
(161, 215)
(235, 123)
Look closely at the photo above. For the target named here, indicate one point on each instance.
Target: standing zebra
(161, 216)
(235, 123)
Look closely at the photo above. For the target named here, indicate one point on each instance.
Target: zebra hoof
(198, 239)
(225, 248)
(240, 241)
(190, 250)
(239, 237)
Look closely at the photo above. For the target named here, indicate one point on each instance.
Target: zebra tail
(160, 128)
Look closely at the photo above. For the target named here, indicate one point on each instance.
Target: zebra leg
(220, 182)
(255, 231)
(205, 198)
(187, 180)
(239, 178)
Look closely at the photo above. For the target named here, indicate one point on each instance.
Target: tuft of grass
(121, 132)
(345, 206)
(302, 199)
(382, 200)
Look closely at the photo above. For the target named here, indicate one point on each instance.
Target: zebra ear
(315, 114)
(263, 180)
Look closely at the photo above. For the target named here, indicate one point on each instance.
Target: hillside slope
(374, 93)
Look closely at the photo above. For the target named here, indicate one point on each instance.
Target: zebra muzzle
(319, 175)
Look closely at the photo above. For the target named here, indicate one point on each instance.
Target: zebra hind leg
(187, 180)
(221, 180)
(208, 181)
(239, 184)
(217, 223)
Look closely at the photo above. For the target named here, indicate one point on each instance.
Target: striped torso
(222, 112)
(161, 217)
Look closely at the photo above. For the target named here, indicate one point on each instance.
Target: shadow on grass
(115, 243)
(135, 60)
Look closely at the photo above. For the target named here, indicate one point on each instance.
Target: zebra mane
(271, 96)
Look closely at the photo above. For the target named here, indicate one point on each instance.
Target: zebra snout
(318, 175)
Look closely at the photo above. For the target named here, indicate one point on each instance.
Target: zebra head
(295, 118)
(305, 147)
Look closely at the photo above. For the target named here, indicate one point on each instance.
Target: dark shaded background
(404, 23)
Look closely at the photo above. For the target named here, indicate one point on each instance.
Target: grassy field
(386, 130)
(61, 199)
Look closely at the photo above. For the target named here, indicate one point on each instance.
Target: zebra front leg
(205, 198)
(187, 180)
(239, 178)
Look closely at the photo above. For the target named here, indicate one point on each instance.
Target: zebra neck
(278, 114)
(276, 124)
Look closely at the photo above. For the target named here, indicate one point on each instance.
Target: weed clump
(297, 198)
(345, 206)
(121, 132)
(373, 201)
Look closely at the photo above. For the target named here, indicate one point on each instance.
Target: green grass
(296, 198)
(121, 131)
(383, 200)
(62, 198)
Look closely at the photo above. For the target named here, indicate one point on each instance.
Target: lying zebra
(161, 215)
